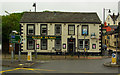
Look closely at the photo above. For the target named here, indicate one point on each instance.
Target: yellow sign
(28, 58)
(113, 59)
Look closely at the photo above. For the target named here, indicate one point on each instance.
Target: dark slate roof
(110, 32)
(114, 17)
(113, 26)
(60, 17)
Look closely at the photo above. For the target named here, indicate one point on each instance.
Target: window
(30, 29)
(93, 46)
(58, 29)
(57, 44)
(85, 29)
(81, 44)
(30, 44)
(71, 29)
(116, 36)
(43, 44)
(87, 44)
(43, 29)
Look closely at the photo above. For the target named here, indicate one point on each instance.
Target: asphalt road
(66, 66)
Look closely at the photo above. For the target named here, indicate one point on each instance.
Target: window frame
(33, 44)
(33, 28)
(68, 29)
(92, 46)
(41, 29)
(60, 44)
(42, 44)
(60, 29)
(87, 29)
(83, 44)
(79, 44)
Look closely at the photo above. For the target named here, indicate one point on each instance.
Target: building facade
(119, 7)
(112, 19)
(60, 32)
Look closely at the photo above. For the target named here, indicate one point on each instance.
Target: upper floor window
(85, 30)
(58, 29)
(30, 29)
(43, 29)
(71, 29)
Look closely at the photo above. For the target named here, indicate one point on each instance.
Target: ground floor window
(30, 44)
(81, 44)
(93, 46)
(58, 44)
(43, 44)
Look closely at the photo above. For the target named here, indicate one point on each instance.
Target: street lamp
(104, 14)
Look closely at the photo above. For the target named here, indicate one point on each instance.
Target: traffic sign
(15, 39)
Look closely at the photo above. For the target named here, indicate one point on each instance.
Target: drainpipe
(77, 40)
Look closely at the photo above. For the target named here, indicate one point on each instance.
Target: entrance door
(71, 45)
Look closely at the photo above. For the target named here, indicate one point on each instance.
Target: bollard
(29, 57)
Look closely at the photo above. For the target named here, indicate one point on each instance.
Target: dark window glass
(58, 29)
(57, 44)
(93, 46)
(44, 44)
(85, 30)
(30, 44)
(81, 44)
(30, 29)
(87, 44)
(43, 29)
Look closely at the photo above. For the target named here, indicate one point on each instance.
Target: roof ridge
(64, 12)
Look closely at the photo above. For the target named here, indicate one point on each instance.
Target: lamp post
(104, 14)
(77, 40)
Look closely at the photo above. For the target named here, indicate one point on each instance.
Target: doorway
(71, 45)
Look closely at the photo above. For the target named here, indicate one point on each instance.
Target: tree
(9, 22)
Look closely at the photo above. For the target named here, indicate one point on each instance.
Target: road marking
(31, 69)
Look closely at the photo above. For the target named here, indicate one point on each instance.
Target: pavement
(17, 64)
(108, 64)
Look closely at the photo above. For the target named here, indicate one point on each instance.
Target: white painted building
(60, 31)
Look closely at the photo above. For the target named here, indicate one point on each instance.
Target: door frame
(68, 45)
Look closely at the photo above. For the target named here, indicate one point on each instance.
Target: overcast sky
(60, 5)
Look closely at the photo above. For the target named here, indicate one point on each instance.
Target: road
(66, 66)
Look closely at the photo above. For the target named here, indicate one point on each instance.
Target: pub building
(60, 32)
